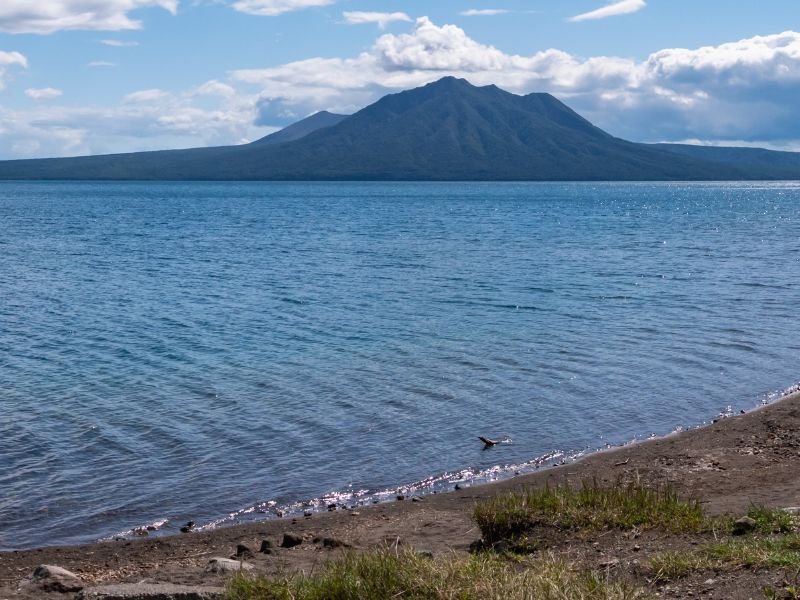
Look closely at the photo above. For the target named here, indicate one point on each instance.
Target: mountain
(770, 164)
(301, 129)
(451, 130)
(447, 130)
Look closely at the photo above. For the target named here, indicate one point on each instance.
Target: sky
(99, 76)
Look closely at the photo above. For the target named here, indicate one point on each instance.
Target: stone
(334, 543)
(50, 578)
(417, 499)
(426, 554)
(793, 510)
(243, 552)
(227, 565)
(290, 540)
(743, 526)
(610, 564)
(188, 527)
(477, 546)
(151, 591)
(266, 547)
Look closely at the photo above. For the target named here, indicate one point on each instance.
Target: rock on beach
(50, 578)
(227, 565)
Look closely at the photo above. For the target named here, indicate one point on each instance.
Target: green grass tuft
(625, 506)
(772, 520)
(770, 552)
(669, 566)
(390, 574)
(752, 552)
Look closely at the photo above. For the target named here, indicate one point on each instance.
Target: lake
(221, 352)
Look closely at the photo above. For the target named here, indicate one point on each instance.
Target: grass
(669, 566)
(773, 552)
(592, 507)
(772, 521)
(512, 518)
(408, 576)
(789, 592)
(625, 506)
(751, 552)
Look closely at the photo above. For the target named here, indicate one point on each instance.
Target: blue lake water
(222, 352)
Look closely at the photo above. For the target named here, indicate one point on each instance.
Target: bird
(487, 442)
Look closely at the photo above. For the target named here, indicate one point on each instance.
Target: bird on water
(487, 442)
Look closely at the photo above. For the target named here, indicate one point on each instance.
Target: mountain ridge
(444, 131)
(302, 128)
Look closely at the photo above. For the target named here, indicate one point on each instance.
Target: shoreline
(729, 465)
(441, 483)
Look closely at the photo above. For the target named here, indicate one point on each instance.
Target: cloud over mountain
(741, 90)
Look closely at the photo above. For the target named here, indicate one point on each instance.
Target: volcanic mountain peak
(446, 130)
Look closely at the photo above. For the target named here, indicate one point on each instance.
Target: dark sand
(729, 466)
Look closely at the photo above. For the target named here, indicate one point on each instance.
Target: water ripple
(227, 352)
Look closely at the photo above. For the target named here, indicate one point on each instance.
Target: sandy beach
(729, 466)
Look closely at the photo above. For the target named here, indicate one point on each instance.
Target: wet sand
(729, 466)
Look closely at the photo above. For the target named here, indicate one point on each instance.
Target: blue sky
(98, 76)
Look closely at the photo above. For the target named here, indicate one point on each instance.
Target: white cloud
(101, 63)
(49, 16)
(272, 8)
(146, 96)
(431, 47)
(216, 88)
(484, 12)
(743, 64)
(620, 7)
(43, 93)
(23, 139)
(8, 60)
(145, 120)
(382, 19)
(119, 43)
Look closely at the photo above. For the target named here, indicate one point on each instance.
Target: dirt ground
(729, 466)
